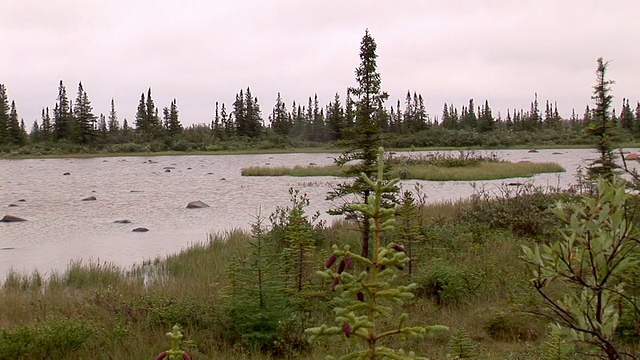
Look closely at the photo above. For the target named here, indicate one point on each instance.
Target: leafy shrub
(447, 284)
(165, 312)
(51, 339)
(524, 209)
(513, 327)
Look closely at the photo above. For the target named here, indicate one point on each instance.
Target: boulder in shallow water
(11, 218)
(140, 229)
(125, 221)
(13, 205)
(90, 198)
(197, 205)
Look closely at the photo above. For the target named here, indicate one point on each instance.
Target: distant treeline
(73, 127)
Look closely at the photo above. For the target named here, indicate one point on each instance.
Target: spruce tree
(486, 122)
(602, 127)
(62, 117)
(364, 139)
(4, 115)
(85, 119)
(280, 118)
(335, 119)
(142, 123)
(46, 132)
(256, 302)
(173, 124)
(627, 118)
(368, 303)
(16, 132)
(113, 123)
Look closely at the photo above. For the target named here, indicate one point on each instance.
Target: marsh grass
(475, 269)
(477, 171)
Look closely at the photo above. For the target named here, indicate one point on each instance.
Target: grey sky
(203, 51)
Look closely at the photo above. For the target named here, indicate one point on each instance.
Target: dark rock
(534, 150)
(90, 198)
(125, 221)
(11, 218)
(7, 248)
(188, 168)
(135, 191)
(514, 184)
(223, 179)
(22, 200)
(67, 173)
(197, 205)
(168, 170)
(13, 205)
(140, 229)
(168, 167)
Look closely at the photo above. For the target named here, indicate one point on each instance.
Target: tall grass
(468, 275)
(479, 171)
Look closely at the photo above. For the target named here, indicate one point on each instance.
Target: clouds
(200, 52)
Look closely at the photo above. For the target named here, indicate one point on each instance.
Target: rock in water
(140, 229)
(90, 198)
(11, 218)
(197, 205)
(125, 221)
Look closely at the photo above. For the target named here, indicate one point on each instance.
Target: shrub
(505, 326)
(447, 284)
(51, 339)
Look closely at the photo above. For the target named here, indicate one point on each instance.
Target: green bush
(523, 208)
(447, 284)
(513, 327)
(51, 339)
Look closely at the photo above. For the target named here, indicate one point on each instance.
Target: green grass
(128, 312)
(481, 171)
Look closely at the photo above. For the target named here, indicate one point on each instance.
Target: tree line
(74, 122)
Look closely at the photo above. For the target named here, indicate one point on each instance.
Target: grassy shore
(467, 269)
(481, 171)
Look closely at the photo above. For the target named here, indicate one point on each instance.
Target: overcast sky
(203, 51)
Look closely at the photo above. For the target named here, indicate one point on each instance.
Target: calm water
(62, 227)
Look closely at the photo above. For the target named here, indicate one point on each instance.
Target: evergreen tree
(46, 133)
(36, 132)
(602, 127)
(486, 122)
(84, 117)
(152, 115)
(173, 123)
(102, 127)
(113, 123)
(256, 301)
(63, 121)
(280, 119)
(365, 138)
(317, 121)
(468, 118)
(16, 132)
(533, 120)
(626, 116)
(142, 124)
(637, 123)
(335, 120)
(247, 115)
(4, 115)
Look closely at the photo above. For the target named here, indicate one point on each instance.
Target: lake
(153, 191)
